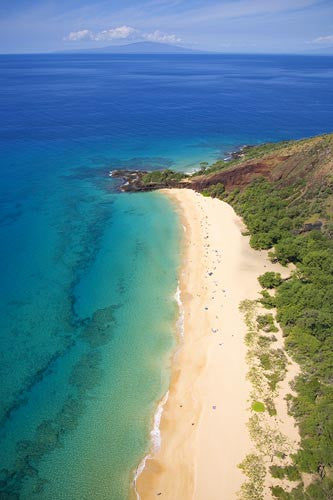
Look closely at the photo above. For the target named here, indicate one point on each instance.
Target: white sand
(203, 426)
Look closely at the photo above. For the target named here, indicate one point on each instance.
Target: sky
(232, 26)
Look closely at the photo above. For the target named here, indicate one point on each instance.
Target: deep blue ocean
(88, 275)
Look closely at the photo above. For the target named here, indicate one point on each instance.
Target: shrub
(267, 300)
(215, 190)
(266, 323)
(270, 279)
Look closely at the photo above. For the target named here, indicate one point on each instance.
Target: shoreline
(155, 432)
(203, 424)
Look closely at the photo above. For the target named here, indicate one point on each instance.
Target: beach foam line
(155, 433)
(155, 437)
(180, 320)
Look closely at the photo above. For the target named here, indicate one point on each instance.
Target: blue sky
(285, 26)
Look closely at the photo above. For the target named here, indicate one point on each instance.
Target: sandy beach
(203, 427)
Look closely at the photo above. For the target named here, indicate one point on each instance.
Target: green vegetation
(267, 213)
(264, 341)
(270, 280)
(203, 168)
(266, 323)
(267, 367)
(290, 472)
(316, 491)
(257, 406)
(263, 149)
(254, 468)
(275, 364)
(162, 177)
(304, 310)
(247, 153)
(267, 300)
(215, 190)
(283, 217)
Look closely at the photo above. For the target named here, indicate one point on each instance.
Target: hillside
(285, 162)
(301, 171)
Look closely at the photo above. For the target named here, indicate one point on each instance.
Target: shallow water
(88, 276)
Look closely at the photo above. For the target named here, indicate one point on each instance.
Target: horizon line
(195, 52)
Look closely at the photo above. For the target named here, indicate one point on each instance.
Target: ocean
(88, 275)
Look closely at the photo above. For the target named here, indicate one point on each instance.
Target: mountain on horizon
(138, 48)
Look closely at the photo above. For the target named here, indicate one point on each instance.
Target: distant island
(139, 48)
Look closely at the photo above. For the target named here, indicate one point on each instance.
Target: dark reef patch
(98, 330)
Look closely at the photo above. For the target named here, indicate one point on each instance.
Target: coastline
(155, 433)
(203, 424)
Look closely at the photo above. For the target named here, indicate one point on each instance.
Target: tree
(270, 279)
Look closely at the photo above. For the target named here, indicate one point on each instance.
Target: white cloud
(158, 36)
(76, 36)
(323, 39)
(121, 32)
(115, 33)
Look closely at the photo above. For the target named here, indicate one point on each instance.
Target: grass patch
(266, 323)
(254, 468)
(258, 406)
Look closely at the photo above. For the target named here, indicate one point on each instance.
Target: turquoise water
(85, 420)
(88, 275)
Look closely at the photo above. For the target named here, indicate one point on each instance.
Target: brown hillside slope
(307, 160)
